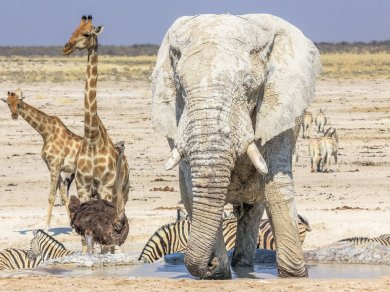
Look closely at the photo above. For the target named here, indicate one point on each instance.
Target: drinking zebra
(173, 237)
(43, 247)
(383, 239)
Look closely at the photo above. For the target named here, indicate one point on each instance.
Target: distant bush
(151, 49)
(356, 47)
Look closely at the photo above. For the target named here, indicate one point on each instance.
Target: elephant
(228, 93)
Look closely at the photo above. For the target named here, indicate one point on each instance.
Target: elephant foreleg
(280, 206)
(247, 234)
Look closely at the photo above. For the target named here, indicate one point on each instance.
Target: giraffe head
(84, 37)
(14, 101)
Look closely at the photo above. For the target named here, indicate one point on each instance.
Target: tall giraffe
(60, 145)
(96, 161)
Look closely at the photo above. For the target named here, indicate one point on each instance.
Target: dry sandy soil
(352, 200)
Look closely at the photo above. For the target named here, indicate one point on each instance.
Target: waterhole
(174, 268)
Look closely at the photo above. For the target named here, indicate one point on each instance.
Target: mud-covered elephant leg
(247, 234)
(280, 206)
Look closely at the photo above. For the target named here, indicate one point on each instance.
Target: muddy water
(179, 271)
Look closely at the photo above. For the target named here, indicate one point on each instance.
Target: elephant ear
(292, 66)
(166, 104)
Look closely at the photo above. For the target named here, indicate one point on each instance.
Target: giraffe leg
(64, 196)
(52, 195)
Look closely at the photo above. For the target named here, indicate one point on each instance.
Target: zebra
(315, 154)
(173, 237)
(43, 247)
(329, 146)
(383, 239)
(46, 247)
(320, 121)
(307, 121)
(14, 258)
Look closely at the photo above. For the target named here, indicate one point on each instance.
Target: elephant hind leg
(247, 234)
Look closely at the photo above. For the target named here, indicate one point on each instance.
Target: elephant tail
(305, 222)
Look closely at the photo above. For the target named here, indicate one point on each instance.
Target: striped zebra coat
(307, 121)
(383, 239)
(43, 247)
(173, 237)
(321, 149)
(321, 121)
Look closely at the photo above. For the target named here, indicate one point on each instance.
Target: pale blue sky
(51, 22)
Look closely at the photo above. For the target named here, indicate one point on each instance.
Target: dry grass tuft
(356, 66)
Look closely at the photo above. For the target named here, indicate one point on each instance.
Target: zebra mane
(42, 234)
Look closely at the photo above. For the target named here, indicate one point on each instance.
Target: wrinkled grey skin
(220, 83)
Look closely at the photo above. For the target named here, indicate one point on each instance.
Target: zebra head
(35, 250)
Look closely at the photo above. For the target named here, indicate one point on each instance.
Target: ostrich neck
(117, 192)
(91, 118)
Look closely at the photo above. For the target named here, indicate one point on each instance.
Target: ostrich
(99, 220)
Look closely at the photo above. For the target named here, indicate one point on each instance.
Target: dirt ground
(352, 200)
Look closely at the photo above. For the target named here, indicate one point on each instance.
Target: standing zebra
(383, 239)
(43, 247)
(321, 121)
(315, 154)
(329, 146)
(173, 237)
(307, 121)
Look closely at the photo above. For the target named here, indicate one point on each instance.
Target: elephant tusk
(256, 158)
(173, 160)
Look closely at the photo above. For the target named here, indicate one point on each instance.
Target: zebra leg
(280, 205)
(247, 234)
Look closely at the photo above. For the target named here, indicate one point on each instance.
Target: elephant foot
(225, 274)
(239, 260)
(302, 273)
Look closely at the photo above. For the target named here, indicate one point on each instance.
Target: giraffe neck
(91, 119)
(40, 121)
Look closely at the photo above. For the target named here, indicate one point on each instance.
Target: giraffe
(60, 145)
(96, 161)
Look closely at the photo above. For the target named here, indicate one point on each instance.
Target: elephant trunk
(206, 255)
